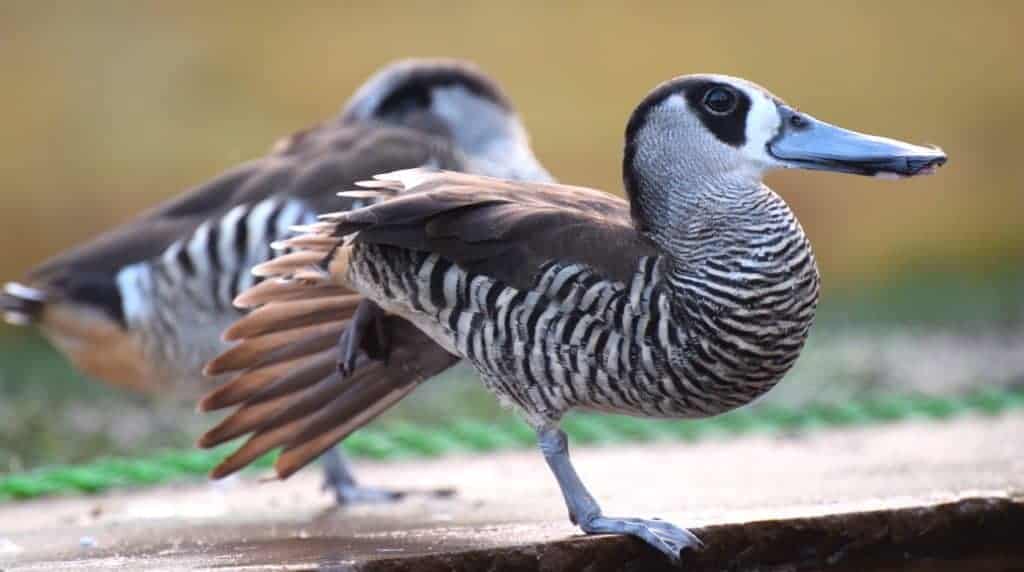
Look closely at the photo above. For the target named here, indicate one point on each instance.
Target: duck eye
(720, 101)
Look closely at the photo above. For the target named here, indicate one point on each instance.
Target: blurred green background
(109, 107)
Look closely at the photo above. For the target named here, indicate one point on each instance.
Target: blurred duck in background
(144, 305)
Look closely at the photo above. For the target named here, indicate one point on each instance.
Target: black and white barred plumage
(664, 343)
(180, 302)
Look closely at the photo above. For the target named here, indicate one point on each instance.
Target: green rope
(401, 440)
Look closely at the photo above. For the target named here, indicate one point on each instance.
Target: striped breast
(178, 304)
(675, 341)
(750, 302)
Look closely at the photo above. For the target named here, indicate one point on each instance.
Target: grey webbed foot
(346, 494)
(366, 333)
(339, 480)
(664, 536)
(585, 512)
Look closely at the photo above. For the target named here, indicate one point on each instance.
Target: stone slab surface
(913, 496)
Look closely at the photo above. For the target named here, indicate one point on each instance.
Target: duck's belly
(616, 350)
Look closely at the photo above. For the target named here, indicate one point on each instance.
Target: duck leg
(585, 512)
(366, 333)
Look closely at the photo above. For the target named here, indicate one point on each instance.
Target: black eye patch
(410, 97)
(415, 91)
(721, 108)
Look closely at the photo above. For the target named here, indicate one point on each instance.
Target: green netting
(404, 440)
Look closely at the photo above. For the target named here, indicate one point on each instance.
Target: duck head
(456, 100)
(707, 136)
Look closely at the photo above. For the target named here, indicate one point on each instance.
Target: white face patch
(492, 138)
(763, 123)
(475, 122)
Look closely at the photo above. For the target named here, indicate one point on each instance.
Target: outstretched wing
(305, 406)
(285, 383)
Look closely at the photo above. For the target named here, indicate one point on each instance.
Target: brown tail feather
(315, 242)
(267, 413)
(289, 315)
(288, 263)
(294, 458)
(323, 431)
(275, 347)
(315, 370)
(254, 448)
(277, 290)
(308, 411)
(245, 420)
(253, 384)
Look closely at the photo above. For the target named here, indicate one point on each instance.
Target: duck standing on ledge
(144, 305)
(693, 298)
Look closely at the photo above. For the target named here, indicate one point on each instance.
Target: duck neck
(694, 219)
(724, 242)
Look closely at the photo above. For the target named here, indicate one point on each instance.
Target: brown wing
(503, 229)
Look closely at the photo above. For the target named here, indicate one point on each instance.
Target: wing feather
(507, 230)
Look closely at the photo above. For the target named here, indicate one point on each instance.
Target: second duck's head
(704, 136)
(457, 100)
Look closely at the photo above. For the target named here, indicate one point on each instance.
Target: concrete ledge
(976, 534)
(914, 496)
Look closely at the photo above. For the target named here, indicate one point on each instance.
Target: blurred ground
(885, 498)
